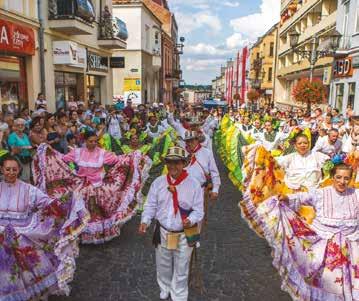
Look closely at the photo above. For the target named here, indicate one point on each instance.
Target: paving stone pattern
(235, 263)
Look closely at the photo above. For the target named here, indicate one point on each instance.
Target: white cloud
(236, 41)
(202, 49)
(255, 25)
(231, 4)
(188, 23)
(202, 65)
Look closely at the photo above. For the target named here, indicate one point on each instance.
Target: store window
(67, 85)
(13, 89)
(339, 96)
(94, 87)
(351, 95)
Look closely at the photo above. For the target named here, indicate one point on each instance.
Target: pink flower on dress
(335, 257)
(356, 271)
(26, 257)
(300, 229)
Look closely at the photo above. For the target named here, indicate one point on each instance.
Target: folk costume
(170, 201)
(202, 165)
(267, 176)
(38, 241)
(109, 195)
(317, 261)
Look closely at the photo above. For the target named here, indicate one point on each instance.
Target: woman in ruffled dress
(38, 238)
(317, 261)
(108, 184)
(267, 176)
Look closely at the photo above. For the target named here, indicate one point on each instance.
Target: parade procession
(126, 176)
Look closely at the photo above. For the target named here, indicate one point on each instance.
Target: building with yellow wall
(309, 18)
(262, 64)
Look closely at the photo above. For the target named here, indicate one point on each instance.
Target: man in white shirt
(202, 165)
(210, 123)
(176, 202)
(256, 132)
(329, 145)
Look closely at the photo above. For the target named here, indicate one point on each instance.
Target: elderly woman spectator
(20, 146)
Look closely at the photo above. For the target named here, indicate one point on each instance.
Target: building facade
(140, 78)
(74, 42)
(170, 71)
(314, 20)
(19, 56)
(344, 90)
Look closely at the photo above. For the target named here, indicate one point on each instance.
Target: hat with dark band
(176, 154)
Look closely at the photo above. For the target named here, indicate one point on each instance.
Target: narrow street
(236, 264)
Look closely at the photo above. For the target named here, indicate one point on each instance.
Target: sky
(216, 29)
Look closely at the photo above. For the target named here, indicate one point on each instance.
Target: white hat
(189, 135)
(155, 105)
(176, 153)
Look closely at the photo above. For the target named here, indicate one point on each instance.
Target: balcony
(325, 23)
(72, 17)
(175, 75)
(112, 33)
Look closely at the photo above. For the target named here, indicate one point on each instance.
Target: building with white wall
(140, 78)
(345, 83)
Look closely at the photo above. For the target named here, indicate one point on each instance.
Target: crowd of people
(77, 176)
(298, 174)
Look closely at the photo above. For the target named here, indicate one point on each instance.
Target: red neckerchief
(193, 158)
(173, 190)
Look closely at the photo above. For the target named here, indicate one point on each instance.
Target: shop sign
(97, 62)
(355, 61)
(16, 38)
(132, 84)
(117, 62)
(69, 53)
(134, 96)
(343, 67)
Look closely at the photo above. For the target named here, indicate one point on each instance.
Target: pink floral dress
(109, 195)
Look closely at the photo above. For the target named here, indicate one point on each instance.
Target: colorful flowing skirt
(315, 262)
(37, 255)
(111, 205)
(264, 178)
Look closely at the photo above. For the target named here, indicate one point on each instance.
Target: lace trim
(81, 163)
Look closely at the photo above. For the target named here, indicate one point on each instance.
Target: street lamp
(180, 45)
(315, 54)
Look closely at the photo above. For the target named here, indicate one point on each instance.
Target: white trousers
(173, 267)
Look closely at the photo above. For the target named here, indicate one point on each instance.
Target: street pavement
(235, 263)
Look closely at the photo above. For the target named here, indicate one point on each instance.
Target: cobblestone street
(236, 264)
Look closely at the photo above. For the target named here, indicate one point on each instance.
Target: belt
(171, 231)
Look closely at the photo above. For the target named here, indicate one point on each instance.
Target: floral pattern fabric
(37, 251)
(316, 261)
(110, 205)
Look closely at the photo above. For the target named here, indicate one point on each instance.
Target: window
(339, 96)
(351, 95)
(270, 72)
(346, 21)
(147, 37)
(357, 21)
(271, 49)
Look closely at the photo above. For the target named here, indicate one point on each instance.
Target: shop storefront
(17, 44)
(345, 84)
(97, 70)
(70, 62)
